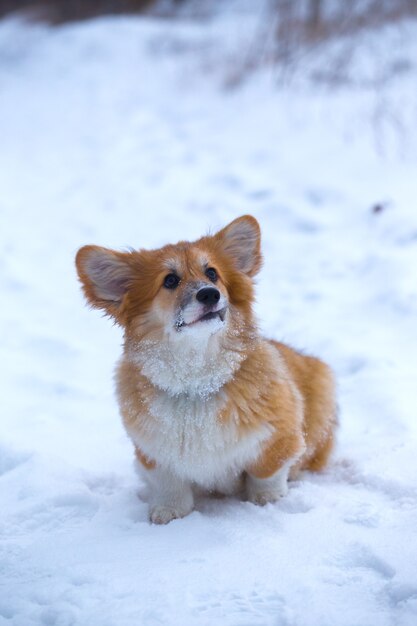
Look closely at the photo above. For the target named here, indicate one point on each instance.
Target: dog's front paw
(263, 497)
(160, 514)
(261, 491)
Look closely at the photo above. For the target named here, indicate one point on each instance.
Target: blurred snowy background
(157, 124)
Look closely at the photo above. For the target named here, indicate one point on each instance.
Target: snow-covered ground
(118, 132)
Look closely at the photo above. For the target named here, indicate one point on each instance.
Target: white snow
(120, 132)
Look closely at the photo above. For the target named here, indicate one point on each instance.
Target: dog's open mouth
(211, 315)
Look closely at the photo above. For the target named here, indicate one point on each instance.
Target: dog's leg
(267, 479)
(263, 490)
(170, 496)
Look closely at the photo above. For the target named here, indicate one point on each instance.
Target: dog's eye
(171, 281)
(211, 274)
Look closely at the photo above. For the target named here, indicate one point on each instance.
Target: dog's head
(177, 289)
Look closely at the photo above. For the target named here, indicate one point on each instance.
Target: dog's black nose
(208, 295)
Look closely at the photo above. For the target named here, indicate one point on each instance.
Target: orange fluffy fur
(269, 410)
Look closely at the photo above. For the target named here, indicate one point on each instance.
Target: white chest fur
(180, 427)
(184, 435)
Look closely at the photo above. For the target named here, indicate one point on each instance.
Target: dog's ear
(241, 240)
(105, 275)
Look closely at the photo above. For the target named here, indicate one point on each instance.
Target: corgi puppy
(206, 400)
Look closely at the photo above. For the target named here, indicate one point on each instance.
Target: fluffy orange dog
(207, 401)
